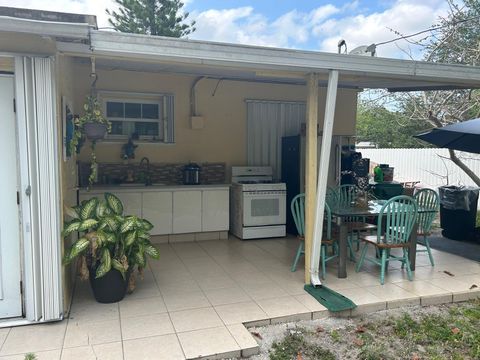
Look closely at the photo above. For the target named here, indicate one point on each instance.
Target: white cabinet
(132, 203)
(215, 210)
(158, 209)
(187, 211)
(177, 210)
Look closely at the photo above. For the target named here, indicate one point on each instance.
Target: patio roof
(254, 63)
(243, 62)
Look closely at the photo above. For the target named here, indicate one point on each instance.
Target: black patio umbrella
(463, 136)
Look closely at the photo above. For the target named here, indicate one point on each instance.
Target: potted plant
(93, 126)
(110, 247)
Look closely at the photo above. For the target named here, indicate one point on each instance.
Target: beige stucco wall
(223, 139)
(65, 88)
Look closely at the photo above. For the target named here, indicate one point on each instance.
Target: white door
(10, 296)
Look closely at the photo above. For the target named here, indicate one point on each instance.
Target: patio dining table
(374, 206)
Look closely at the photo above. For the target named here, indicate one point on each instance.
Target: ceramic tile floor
(196, 301)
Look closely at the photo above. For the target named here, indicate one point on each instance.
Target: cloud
(318, 29)
(405, 16)
(322, 27)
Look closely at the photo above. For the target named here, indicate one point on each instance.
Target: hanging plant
(91, 125)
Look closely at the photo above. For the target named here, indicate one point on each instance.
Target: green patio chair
(331, 197)
(297, 207)
(397, 218)
(347, 195)
(427, 199)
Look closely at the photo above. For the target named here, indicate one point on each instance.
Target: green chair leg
(350, 249)
(382, 270)
(429, 251)
(362, 257)
(407, 263)
(297, 256)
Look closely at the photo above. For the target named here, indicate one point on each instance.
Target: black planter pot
(109, 288)
(95, 131)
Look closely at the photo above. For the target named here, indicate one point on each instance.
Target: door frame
(38, 142)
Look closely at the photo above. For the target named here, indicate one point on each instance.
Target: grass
(297, 346)
(439, 333)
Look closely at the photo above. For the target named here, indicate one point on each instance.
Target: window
(143, 117)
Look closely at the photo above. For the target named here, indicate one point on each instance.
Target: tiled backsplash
(168, 174)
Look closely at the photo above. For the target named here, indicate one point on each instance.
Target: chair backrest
(347, 195)
(331, 197)
(427, 199)
(397, 218)
(297, 207)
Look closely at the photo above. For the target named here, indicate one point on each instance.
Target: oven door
(264, 208)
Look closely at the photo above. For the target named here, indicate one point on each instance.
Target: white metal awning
(254, 63)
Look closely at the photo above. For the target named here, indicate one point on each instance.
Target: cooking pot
(191, 174)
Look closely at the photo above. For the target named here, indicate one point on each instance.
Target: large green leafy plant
(108, 239)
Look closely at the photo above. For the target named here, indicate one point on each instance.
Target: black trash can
(458, 211)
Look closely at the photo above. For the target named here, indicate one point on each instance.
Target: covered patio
(201, 297)
(200, 300)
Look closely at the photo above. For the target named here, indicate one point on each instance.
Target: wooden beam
(310, 167)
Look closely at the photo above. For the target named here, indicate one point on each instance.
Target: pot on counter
(191, 174)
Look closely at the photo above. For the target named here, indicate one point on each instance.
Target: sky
(300, 24)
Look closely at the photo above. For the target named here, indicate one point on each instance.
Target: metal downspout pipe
(323, 176)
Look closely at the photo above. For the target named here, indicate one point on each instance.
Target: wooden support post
(310, 167)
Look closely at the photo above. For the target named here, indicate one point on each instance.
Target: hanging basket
(95, 131)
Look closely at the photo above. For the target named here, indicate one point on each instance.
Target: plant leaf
(110, 238)
(147, 225)
(77, 248)
(110, 223)
(101, 208)
(70, 228)
(88, 208)
(117, 265)
(130, 238)
(114, 203)
(140, 258)
(152, 251)
(143, 235)
(128, 224)
(87, 224)
(105, 264)
(71, 212)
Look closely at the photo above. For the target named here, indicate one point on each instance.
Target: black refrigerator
(293, 167)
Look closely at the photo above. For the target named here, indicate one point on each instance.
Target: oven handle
(265, 193)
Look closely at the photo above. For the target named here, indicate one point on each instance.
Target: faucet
(147, 175)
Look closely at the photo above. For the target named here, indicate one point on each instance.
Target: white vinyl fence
(432, 167)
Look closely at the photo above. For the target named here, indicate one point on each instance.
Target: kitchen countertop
(143, 188)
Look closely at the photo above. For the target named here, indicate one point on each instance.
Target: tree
(455, 40)
(151, 17)
(387, 129)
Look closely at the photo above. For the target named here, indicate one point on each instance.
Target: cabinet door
(215, 210)
(187, 211)
(157, 208)
(132, 203)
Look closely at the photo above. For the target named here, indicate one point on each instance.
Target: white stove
(257, 203)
